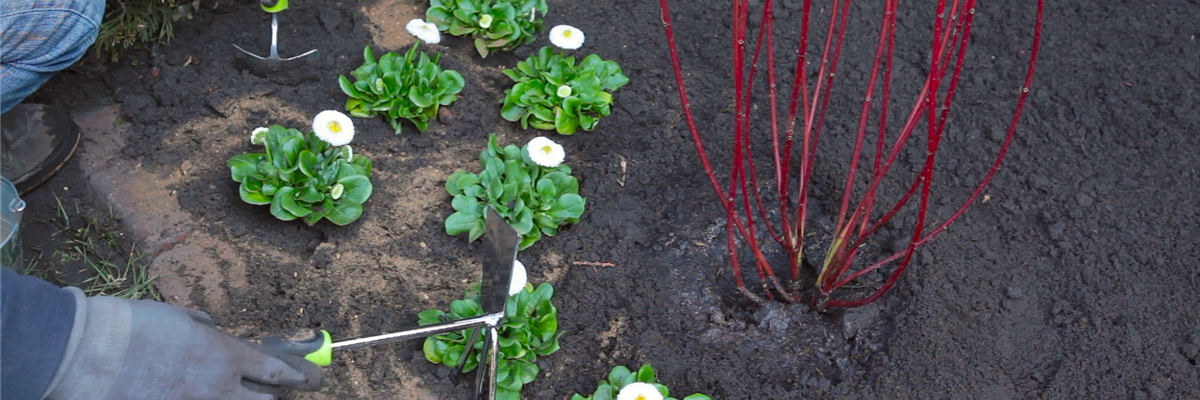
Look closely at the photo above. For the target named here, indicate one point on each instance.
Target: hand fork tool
(272, 61)
(500, 243)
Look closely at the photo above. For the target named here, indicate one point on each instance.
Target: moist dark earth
(1075, 276)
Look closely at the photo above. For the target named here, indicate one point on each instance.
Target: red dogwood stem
(1012, 127)
(854, 223)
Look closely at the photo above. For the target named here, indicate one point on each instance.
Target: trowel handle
(313, 345)
(273, 6)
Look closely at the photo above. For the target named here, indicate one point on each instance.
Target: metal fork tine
(491, 346)
(462, 361)
(273, 54)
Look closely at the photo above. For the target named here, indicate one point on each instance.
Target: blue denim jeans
(39, 38)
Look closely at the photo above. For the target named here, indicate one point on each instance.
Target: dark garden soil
(1075, 276)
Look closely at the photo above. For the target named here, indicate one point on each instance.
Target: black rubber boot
(37, 141)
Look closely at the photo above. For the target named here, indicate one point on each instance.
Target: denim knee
(41, 37)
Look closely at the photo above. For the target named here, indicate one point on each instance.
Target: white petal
(414, 26)
(426, 31)
(519, 278)
(333, 127)
(545, 152)
(431, 33)
(259, 135)
(566, 36)
(639, 391)
(337, 191)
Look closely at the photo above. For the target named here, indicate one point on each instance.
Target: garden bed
(1075, 275)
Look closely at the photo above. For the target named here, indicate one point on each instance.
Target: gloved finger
(261, 388)
(313, 375)
(273, 367)
(299, 374)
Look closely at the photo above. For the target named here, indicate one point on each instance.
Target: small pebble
(1014, 292)
(1057, 229)
(1084, 200)
(445, 116)
(1157, 393)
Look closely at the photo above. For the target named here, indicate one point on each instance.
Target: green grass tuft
(89, 253)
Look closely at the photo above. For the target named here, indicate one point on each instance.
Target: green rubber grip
(324, 355)
(273, 6)
(313, 345)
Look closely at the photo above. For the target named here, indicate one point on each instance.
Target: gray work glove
(139, 349)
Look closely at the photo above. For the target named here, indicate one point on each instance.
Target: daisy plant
(623, 384)
(530, 187)
(310, 176)
(876, 191)
(530, 331)
(410, 87)
(494, 24)
(552, 92)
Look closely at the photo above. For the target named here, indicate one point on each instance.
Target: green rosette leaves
(552, 92)
(297, 176)
(411, 87)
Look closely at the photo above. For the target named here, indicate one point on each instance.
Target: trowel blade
(500, 243)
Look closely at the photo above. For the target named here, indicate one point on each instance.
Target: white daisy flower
(545, 152)
(337, 191)
(519, 278)
(259, 135)
(349, 153)
(333, 127)
(639, 391)
(563, 91)
(485, 21)
(426, 31)
(566, 36)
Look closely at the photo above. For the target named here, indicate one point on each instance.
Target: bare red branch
(809, 102)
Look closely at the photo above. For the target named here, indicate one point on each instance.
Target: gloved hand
(128, 350)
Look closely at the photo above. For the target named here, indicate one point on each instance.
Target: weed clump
(133, 23)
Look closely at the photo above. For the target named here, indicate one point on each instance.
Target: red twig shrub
(794, 143)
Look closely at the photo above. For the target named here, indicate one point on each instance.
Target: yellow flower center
(567, 33)
(641, 397)
(335, 127)
(546, 149)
